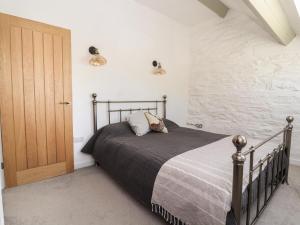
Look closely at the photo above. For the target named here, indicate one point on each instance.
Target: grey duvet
(134, 162)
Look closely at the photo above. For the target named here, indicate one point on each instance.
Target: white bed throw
(196, 186)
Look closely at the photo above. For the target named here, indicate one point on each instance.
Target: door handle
(65, 103)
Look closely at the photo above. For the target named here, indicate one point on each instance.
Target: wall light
(97, 59)
(158, 70)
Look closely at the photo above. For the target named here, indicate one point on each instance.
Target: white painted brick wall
(242, 81)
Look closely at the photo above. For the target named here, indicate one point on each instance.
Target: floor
(90, 197)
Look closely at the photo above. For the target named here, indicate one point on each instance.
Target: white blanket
(196, 186)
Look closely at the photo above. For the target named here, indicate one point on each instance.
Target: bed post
(94, 96)
(165, 106)
(288, 142)
(237, 184)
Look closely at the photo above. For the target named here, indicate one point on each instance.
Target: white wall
(242, 81)
(1, 209)
(130, 36)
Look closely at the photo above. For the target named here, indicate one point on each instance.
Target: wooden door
(35, 88)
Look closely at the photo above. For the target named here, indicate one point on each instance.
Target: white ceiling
(192, 12)
(187, 12)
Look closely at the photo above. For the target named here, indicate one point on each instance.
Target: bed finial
(94, 96)
(237, 184)
(290, 120)
(239, 142)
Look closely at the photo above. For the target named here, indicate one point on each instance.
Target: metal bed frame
(273, 160)
(279, 174)
(130, 110)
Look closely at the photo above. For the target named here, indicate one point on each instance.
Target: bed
(187, 175)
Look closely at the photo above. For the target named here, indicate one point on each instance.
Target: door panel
(29, 99)
(35, 82)
(49, 92)
(6, 103)
(39, 81)
(59, 98)
(18, 97)
(68, 110)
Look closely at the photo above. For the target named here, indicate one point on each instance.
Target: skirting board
(83, 164)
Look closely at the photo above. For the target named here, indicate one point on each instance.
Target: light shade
(98, 60)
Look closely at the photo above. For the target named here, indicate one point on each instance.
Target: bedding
(139, 123)
(156, 123)
(138, 164)
(198, 183)
(135, 161)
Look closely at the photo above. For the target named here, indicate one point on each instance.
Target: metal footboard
(276, 164)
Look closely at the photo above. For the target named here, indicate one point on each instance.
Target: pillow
(139, 123)
(156, 124)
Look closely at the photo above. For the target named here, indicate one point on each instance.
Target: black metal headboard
(130, 110)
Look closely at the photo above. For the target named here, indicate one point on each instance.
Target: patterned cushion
(156, 123)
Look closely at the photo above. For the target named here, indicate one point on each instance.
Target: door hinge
(2, 165)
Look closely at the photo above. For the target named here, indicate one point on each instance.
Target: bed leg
(288, 142)
(237, 184)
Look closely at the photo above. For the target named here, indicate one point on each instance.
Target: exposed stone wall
(242, 81)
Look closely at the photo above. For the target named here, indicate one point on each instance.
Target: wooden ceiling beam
(216, 6)
(274, 18)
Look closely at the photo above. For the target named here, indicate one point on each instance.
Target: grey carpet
(90, 197)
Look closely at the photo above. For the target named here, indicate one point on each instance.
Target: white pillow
(139, 123)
